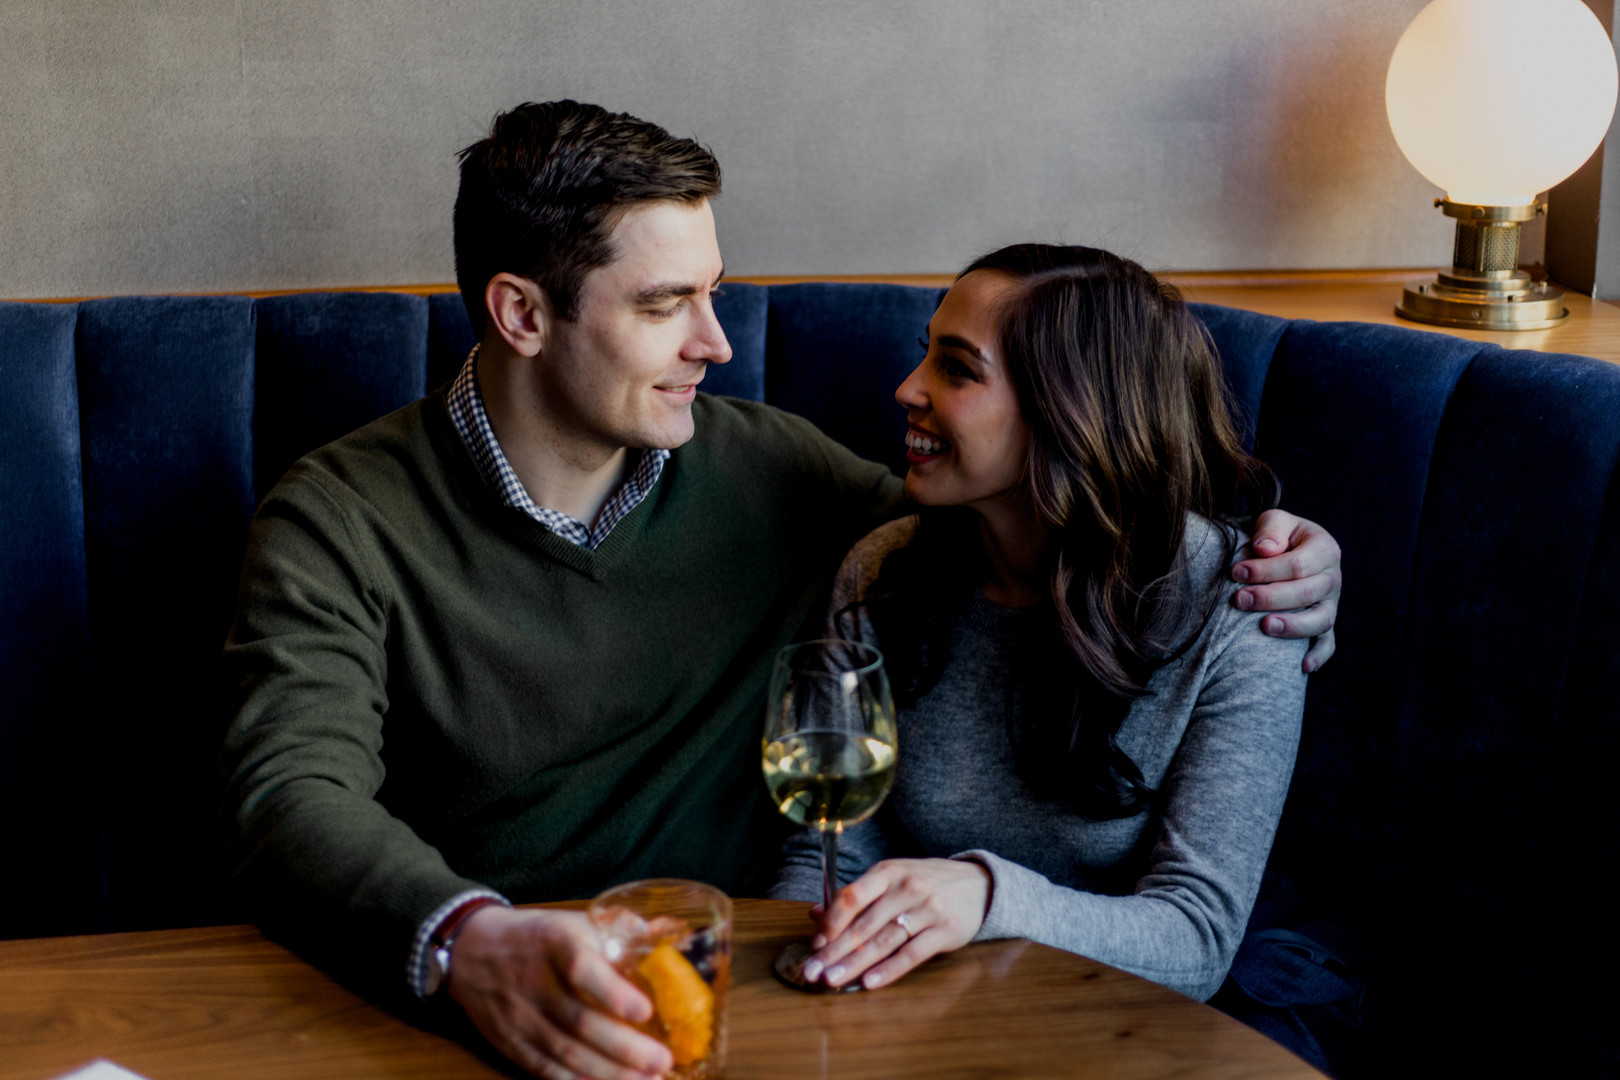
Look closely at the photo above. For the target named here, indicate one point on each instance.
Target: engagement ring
(903, 920)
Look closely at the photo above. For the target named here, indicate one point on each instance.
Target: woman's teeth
(925, 444)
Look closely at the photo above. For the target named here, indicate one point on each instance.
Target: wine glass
(829, 753)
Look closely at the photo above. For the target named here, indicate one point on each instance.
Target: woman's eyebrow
(951, 341)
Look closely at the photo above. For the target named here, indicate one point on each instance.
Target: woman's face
(967, 437)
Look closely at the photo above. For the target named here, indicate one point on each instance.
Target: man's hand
(536, 984)
(898, 914)
(1296, 571)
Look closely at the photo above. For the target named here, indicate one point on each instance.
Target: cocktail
(672, 938)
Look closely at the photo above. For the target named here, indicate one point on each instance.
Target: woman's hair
(1129, 431)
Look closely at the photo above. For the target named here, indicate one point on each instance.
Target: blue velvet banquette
(1451, 803)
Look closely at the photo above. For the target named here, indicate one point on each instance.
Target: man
(560, 582)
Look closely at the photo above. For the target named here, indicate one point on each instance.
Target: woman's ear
(520, 312)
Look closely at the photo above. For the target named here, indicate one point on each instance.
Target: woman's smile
(966, 441)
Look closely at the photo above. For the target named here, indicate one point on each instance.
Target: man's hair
(541, 195)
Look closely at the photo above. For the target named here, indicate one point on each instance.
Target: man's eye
(924, 343)
(716, 293)
(664, 312)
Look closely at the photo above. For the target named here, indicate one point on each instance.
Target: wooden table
(223, 1003)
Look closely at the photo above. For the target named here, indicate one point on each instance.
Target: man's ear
(520, 311)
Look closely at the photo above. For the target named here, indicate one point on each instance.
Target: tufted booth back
(1450, 800)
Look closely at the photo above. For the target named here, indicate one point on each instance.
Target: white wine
(828, 779)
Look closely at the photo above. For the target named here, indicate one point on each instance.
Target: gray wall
(204, 145)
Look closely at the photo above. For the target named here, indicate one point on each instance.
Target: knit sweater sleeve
(316, 856)
(1221, 799)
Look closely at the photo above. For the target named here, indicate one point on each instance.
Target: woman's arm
(799, 877)
(1221, 798)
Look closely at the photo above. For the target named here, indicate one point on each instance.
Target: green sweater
(431, 692)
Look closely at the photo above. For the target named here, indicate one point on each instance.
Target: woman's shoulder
(860, 567)
(1212, 546)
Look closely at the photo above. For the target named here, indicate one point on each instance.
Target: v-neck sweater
(432, 692)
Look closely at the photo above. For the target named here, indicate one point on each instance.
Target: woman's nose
(910, 392)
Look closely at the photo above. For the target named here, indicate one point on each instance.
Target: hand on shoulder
(1297, 573)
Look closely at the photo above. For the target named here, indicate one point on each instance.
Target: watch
(443, 939)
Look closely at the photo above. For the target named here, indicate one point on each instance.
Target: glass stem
(829, 864)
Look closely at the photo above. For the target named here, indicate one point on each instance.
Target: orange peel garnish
(684, 1002)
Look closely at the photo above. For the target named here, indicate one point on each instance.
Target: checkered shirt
(466, 404)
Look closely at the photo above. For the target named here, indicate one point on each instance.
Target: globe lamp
(1496, 101)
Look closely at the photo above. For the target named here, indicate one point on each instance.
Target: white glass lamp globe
(1495, 101)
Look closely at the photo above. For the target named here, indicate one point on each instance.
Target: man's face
(624, 373)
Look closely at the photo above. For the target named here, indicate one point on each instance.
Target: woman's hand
(1297, 572)
(898, 914)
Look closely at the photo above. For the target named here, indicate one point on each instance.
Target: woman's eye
(954, 368)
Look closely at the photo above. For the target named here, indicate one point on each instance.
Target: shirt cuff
(416, 970)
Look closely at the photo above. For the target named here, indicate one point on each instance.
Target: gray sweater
(1165, 894)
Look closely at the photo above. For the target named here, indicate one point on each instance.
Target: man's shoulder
(727, 421)
(737, 434)
(374, 460)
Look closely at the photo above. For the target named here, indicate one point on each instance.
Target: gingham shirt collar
(466, 404)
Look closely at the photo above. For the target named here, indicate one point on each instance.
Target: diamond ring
(903, 920)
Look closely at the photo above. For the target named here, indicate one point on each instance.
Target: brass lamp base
(1530, 306)
(1484, 289)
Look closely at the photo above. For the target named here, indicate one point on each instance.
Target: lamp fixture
(1495, 101)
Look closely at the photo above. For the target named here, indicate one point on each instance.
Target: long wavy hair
(1130, 430)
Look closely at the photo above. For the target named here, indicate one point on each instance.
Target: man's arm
(1297, 573)
(318, 858)
(324, 864)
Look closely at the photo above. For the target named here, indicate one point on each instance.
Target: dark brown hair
(1130, 431)
(541, 195)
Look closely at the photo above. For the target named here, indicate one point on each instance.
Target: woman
(1095, 744)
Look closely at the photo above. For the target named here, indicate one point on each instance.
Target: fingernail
(1241, 573)
(1311, 666)
(812, 970)
(872, 980)
(1268, 543)
(819, 941)
(1245, 600)
(836, 975)
(1273, 626)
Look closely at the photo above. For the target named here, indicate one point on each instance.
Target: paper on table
(101, 1069)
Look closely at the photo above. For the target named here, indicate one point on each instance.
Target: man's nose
(709, 342)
